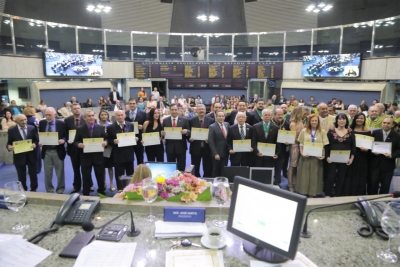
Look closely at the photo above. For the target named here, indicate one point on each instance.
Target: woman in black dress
(357, 174)
(340, 138)
(153, 125)
(104, 119)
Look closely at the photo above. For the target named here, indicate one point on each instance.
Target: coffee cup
(214, 235)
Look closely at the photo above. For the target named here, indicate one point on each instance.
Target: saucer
(206, 243)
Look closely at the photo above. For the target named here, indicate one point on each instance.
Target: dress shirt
(115, 96)
(385, 135)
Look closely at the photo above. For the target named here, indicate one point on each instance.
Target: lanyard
(266, 128)
(313, 136)
(259, 113)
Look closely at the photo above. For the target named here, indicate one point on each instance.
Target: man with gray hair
(327, 120)
(53, 155)
(351, 112)
(66, 111)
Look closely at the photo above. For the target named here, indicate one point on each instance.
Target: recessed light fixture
(317, 6)
(99, 7)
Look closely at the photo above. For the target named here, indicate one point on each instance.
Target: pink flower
(347, 136)
(335, 134)
(340, 140)
(349, 130)
(164, 195)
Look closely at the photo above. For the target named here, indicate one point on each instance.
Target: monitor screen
(262, 175)
(66, 64)
(231, 171)
(165, 169)
(271, 231)
(332, 66)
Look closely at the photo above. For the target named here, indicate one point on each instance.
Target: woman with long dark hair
(104, 119)
(7, 121)
(153, 125)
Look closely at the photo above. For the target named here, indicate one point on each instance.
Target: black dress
(156, 152)
(108, 162)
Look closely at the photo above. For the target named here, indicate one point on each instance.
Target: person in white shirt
(155, 93)
(182, 100)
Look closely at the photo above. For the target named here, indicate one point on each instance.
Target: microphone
(304, 233)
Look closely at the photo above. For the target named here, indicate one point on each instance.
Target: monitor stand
(262, 253)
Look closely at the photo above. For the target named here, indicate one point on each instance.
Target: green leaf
(102, 196)
(133, 196)
(159, 198)
(176, 198)
(205, 195)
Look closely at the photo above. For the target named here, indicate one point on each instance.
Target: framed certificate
(136, 127)
(173, 133)
(199, 134)
(340, 156)
(71, 135)
(266, 149)
(48, 138)
(93, 145)
(151, 139)
(22, 146)
(382, 148)
(242, 145)
(286, 136)
(126, 139)
(364, 141)
(313, 149)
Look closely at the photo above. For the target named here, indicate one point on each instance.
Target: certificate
(382, 148)
(313, 149)
(340, 156)
(173, 133)
(136, 127)
(22, 146)
(107, 151)
(126, 139)
(151, 139)
(199, 134)
(266, 149)
(286, 136)
(71, 135)
(364, 141)
(242, 145)
(48, 138)
(93, 145)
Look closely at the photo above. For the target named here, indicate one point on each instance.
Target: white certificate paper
(93, 145)
(136, 127)
(313, 149)
(286, 137)
(126, 139)
(242, 145)
(173, 133)
(151, 139)
(382, 148)
(364, 141)
(340, 156)
(266, 149)
(48, 138)
(71, 135)
(199, 134)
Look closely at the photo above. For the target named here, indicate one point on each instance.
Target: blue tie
(23, 132)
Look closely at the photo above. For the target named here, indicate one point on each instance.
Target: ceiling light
(316, 10)
(102, 6)
(213, 18)
(318, 5)
(7, 21)
(202, 17)
(321, 5)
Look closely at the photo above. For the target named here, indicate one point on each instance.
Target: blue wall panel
(57, 97)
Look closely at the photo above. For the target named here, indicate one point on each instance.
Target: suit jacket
(70, 124)
(89, 159)
(211, 115)
(259, 136)
(195, 146)
(120, 154)
(285, 126)
(111, 96)
(257, 117)
(232, 116)
(15, 135)
(140, 118)
(176, 146)
(112, 107)
(381, 160)
(61, 129)
(234, 134)
(218, 144)
(159, 104)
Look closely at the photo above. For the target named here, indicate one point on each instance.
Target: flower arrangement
(179, 187)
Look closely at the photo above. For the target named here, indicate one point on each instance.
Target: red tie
(223, 130)
(173, 123)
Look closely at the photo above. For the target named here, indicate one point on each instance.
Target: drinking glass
(220, 193)
(15, 199)
(390, 223)
(150, 193)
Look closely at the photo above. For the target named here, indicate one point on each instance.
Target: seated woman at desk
(7, 121)
(141, 172)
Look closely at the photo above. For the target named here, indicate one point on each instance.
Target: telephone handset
(76, 211)
(372, 212)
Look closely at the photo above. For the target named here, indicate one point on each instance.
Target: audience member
(155, 93)
(8, 121)
(114, 95)
(66, 111)
(141, 93)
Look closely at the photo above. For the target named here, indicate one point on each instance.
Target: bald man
(374, 120)
(326, 120)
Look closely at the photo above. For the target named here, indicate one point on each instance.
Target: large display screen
(164, 169)
(332, 66)
(66, 64)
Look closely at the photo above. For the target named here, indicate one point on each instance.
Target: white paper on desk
(299, 261)
(194, 258)
(179, 229)
(101, 254)
(11, 252)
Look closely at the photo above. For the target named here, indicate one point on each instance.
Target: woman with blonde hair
(141, 172)
(296, 124)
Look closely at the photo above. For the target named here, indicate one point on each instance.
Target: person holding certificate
(342, 142)
(53, 155)
(357, 173)
(122, 155)
(28, 154)
(135, 115)
(296, 125)
(383, 161)
(89, 160)
(217, 139)
(243, 132)
(310, 168)
(104, 119)
(153, 125)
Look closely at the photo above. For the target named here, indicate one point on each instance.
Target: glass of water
(390, 223)
(15, 199)
(150, 193)
(220, 193)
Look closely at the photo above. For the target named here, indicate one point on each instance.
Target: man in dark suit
(258, 110)
(217, 139)
(217, 107)
(136, 115)
(176, 149)
(265, 132)
(161, 100)
(383, 165)
(72, 123)
(242, 107)
(122, 156)
(116, 106)
(20, 132)
(240, 131)
(114, 95)
(91, 159)
(200, 150)
(53, 156)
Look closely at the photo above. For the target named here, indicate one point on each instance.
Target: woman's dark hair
(87, 101)
(363, 107)
(353, 124)
(41, 102)
(5, 115)
(151, 118)
(339, 100)
(341, 116)
(108, 115)
(301, 100)
(198, 96)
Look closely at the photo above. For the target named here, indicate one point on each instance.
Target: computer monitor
(262, 175)
(268, 219)
(231, 171)
(162, 168)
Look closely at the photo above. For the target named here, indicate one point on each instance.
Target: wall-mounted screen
(66, 64)
(332, 66)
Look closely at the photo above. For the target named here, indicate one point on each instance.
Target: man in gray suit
(217, 140)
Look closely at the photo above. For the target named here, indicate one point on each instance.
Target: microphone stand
(304, 233)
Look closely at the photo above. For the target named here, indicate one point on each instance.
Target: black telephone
(372, 213)
(76, 211)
